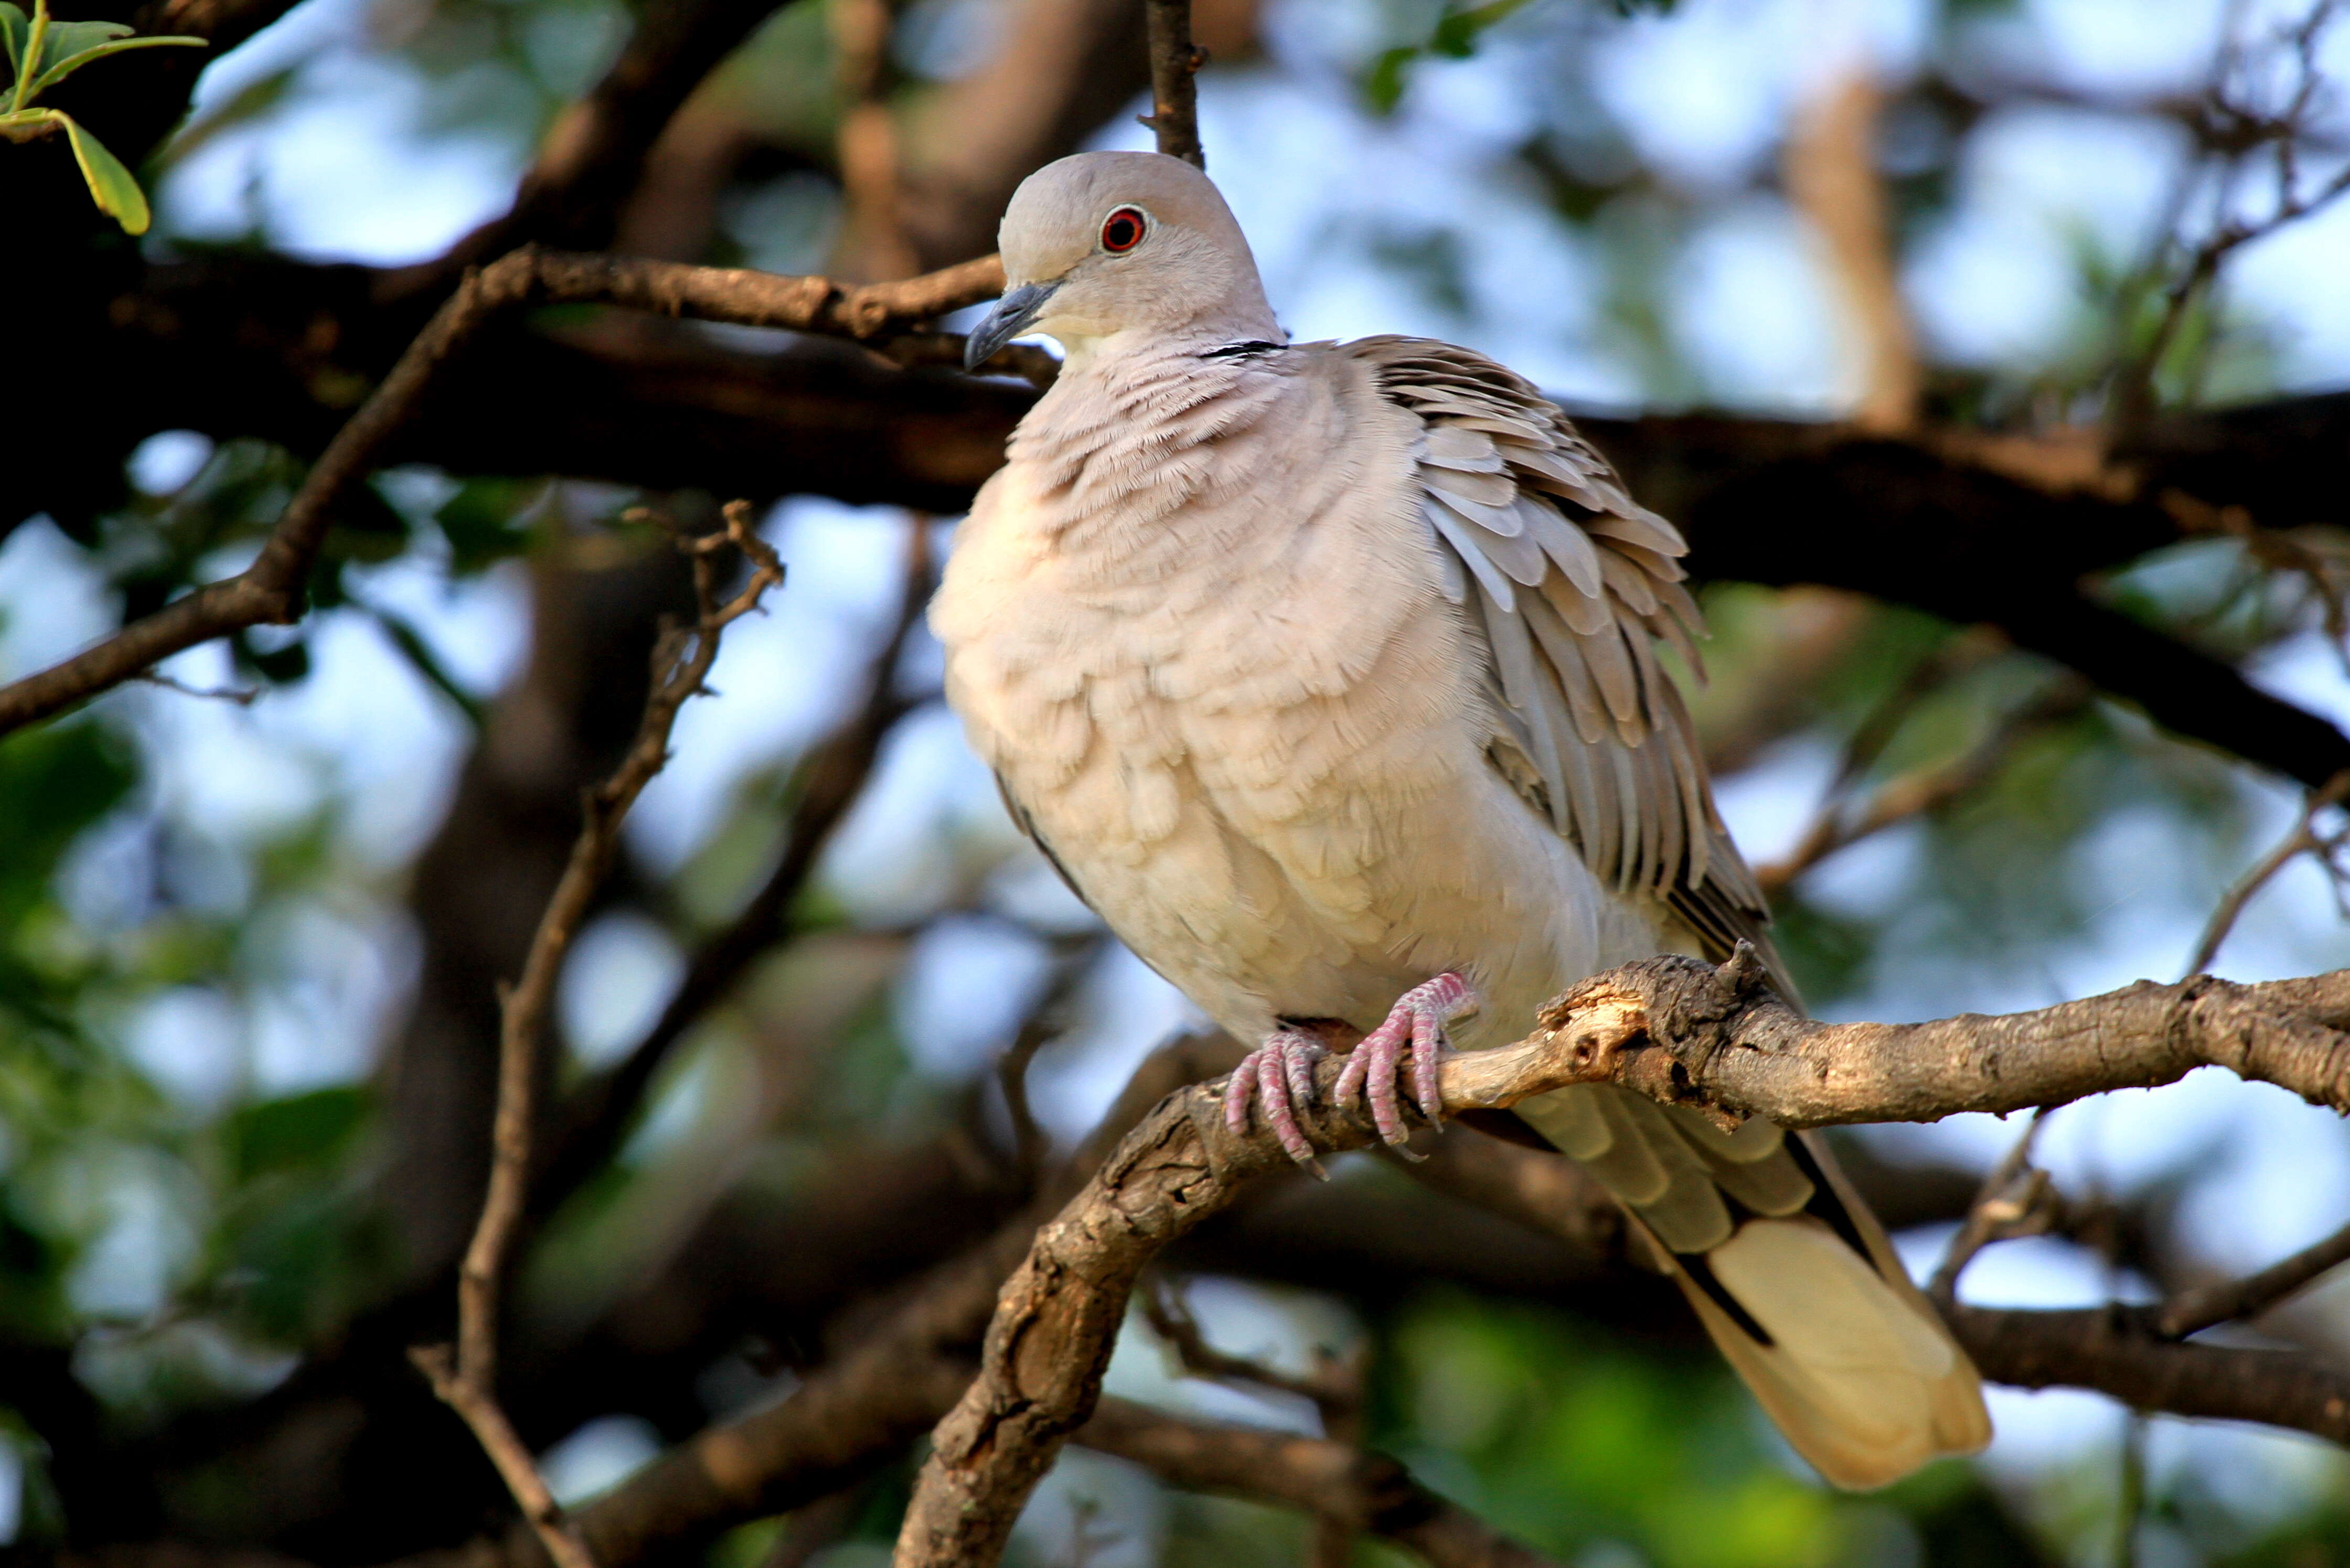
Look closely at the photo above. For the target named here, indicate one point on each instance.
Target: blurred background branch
(1990, 356)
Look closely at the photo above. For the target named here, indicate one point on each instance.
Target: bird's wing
(1570, 585)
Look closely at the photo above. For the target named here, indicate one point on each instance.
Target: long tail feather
(1801, 1290)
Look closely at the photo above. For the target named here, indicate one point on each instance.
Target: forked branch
(1679, 1030)
(466, 1378)
(272, 589)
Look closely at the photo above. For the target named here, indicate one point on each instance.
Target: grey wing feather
(1568, 583)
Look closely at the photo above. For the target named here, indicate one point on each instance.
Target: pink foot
(1279, 1075)
(1419, 1017)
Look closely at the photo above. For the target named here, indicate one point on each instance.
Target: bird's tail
(1792, 1276)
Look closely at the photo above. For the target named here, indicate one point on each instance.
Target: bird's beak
(1009, 319)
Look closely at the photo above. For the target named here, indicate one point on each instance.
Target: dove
(1327, 675)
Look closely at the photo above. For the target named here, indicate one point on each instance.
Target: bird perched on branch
(1326, 674)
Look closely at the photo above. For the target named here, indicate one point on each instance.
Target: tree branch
(1364, 1493)
(2119, 1351)
(594, 156)
(1057, 1318)
(467, 1381)
(829, 779)
(1175, 62)
(2304, 838)
(1972, 527)
(271, 589)
(2204, 1306)
(1831, 172)
(1680, 1030)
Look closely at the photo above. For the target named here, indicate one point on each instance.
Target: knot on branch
(864, 313)
(1657, 1026)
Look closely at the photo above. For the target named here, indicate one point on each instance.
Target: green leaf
(118, 195)
(16, 32)
(60, 63)
(1385, 88)
(66, 39)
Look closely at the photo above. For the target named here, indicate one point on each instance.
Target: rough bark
(1682, 1030)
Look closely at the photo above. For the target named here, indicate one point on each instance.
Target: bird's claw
(1413, 1035)
(1279, 1075)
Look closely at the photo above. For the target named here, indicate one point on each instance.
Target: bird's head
(1106, 243)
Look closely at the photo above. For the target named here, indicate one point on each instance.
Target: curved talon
(1278, 1075)
(1375, 1066)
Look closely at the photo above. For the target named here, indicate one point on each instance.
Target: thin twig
(1929, 789)
(421, 657)
(272, 588)
(2192, 1311)
(1336, 1481)
(1335, 1389)
(2129, 1502)
(828, 781)
(243, 696)
(2134, 384)
(1175, 62)
(593, 158)
(2013, 1197)
(2304, 839)
(681, 660)
(1045, 1021)
(1329, 1388)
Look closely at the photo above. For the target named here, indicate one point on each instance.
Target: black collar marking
(1244, 350)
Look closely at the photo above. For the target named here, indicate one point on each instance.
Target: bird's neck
(1248, 320)
(1123, 425)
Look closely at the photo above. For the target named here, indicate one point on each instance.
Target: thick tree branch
(1671, 1027)
(2119, 1351)
(1974, 528)
(272, 588)
(1057, 1318)
(848, 1416)
(845, 1420)
(1682, 1030)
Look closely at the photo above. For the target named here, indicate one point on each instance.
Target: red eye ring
(1123, 230)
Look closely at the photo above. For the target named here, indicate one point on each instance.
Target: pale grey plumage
(1319, 669)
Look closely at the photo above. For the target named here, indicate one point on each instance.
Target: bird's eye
(1122, 230)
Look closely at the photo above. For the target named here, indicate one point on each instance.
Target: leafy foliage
(41, 54)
